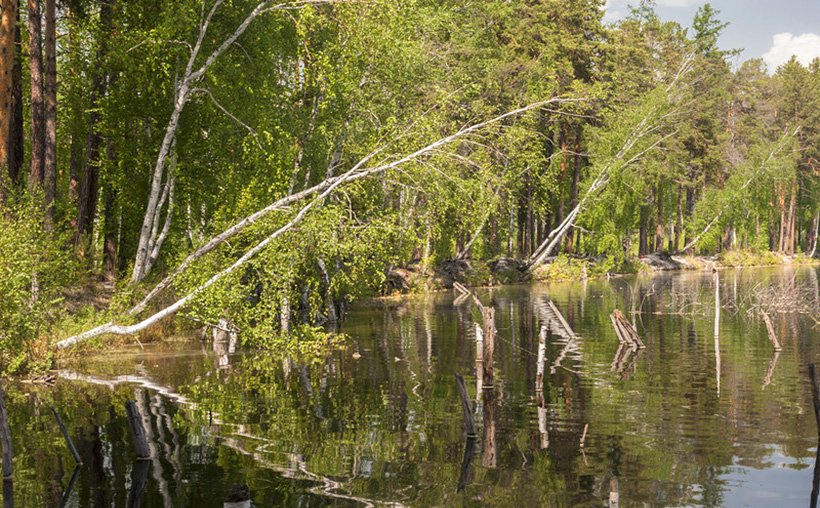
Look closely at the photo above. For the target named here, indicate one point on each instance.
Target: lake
(708, 414)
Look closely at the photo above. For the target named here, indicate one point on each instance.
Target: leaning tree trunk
(325, 188)
(149, 244)
(731, 201)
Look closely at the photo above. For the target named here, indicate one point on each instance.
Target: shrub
(34, 267)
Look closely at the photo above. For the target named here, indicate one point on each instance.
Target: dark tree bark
(529, 218)
(522, 219)
(110, 257)
(659, 228)
(8, 20)
(87, 198)
(642, 246)
(17, 149)
(576, 176)
(50, 85)
(791, 219)
(76, 154)
(37, 113)
(679, 218)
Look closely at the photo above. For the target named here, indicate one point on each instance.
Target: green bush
(34, 267)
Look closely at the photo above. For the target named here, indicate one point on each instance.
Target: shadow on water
(139, 479)
(466, 463)
(67, 493)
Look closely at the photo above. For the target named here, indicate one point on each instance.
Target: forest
(262, 164)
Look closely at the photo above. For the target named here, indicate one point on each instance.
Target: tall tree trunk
(522, 219)
(8, 20)
(87, 199)
(562, 136)
(35, 51)
(110, 226)
(37, 113)
(678, 218)
(642, 234)
(529, 219)
(659, 228)
(792, 218)
(76, 154)
(690, 209)
(781, 200)
(17, 149)
(576, 176)
(50, 76)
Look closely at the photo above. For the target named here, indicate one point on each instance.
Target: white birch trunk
(325, 188)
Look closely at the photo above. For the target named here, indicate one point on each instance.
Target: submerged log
(67, 437)
(624, 330)
(815, 393)
(770, 330)
(568, 331)
(137, 430)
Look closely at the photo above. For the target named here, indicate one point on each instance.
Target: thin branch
(228, 113)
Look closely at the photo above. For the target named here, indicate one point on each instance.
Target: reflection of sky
(786, 481)
(763, 28)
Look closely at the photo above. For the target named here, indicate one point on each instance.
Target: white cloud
(805, 47)
(614, 10)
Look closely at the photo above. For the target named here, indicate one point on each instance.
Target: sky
(770, 29)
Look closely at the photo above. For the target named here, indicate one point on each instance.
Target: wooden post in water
(137, 430)
(469, 424)
(5, 440)
(479, 343)
(717, 303)
(772, 363)
(67, 437)
(490, 458)
(8, 494)
(815, 394)
(770, 330)
(542, 353)
(613, 492)
(488, 316)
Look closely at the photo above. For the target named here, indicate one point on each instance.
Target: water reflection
(686, 421)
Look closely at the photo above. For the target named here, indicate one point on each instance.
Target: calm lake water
(706, 415)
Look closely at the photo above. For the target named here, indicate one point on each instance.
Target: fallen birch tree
(359, 171)
(162, 180)
(650, 123)
(757, 171)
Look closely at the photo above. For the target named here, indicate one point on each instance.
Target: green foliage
(34, 267)
(746, 258)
